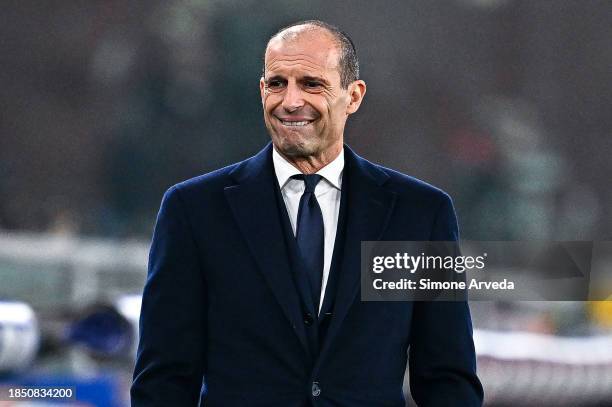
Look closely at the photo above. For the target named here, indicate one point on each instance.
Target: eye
(312, 84)
(274, 84)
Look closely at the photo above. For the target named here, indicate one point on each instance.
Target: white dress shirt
(327, 192)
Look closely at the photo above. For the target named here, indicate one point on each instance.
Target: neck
(312, 163)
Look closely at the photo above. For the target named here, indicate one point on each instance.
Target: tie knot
(310, 181)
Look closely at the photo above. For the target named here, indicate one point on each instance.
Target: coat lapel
(369, 207)
(254, 206)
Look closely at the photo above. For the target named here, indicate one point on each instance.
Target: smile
(296, 124)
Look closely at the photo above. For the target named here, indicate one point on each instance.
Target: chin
(294, 145)
(295, 149)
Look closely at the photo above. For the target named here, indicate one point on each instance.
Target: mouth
(294, 123)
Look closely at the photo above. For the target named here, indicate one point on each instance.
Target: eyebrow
(274, 78)
(302, 79)
(315, 78)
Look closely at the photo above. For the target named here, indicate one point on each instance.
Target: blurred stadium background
(105, 104)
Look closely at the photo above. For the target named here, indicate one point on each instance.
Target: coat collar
(261, 164)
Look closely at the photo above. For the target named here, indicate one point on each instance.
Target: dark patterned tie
(310, 235)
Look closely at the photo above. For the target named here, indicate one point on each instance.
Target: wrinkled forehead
(314, 50)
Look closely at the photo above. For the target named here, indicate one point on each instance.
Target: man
(252, 297)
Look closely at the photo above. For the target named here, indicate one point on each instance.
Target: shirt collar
(332, 172)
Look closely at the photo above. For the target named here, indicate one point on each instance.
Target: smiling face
(305, 107)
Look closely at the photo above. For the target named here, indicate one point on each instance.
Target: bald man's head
(348, 64)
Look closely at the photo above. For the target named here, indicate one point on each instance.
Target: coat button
(316, 389)
(308, 319)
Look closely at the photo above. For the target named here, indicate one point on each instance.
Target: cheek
(271, 102)
(337, 110)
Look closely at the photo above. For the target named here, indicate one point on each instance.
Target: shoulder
(211, 181)
(214, 182)
(403, 185)
(202, 189)
(424, 202)
(406, 185)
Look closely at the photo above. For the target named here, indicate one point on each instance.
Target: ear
(262, 88)
(356, 91)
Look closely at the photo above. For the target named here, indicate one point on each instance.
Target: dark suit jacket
(219, 302)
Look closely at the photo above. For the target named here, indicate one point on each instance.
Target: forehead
(302, 51)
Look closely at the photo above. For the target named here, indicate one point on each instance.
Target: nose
(292, 99)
